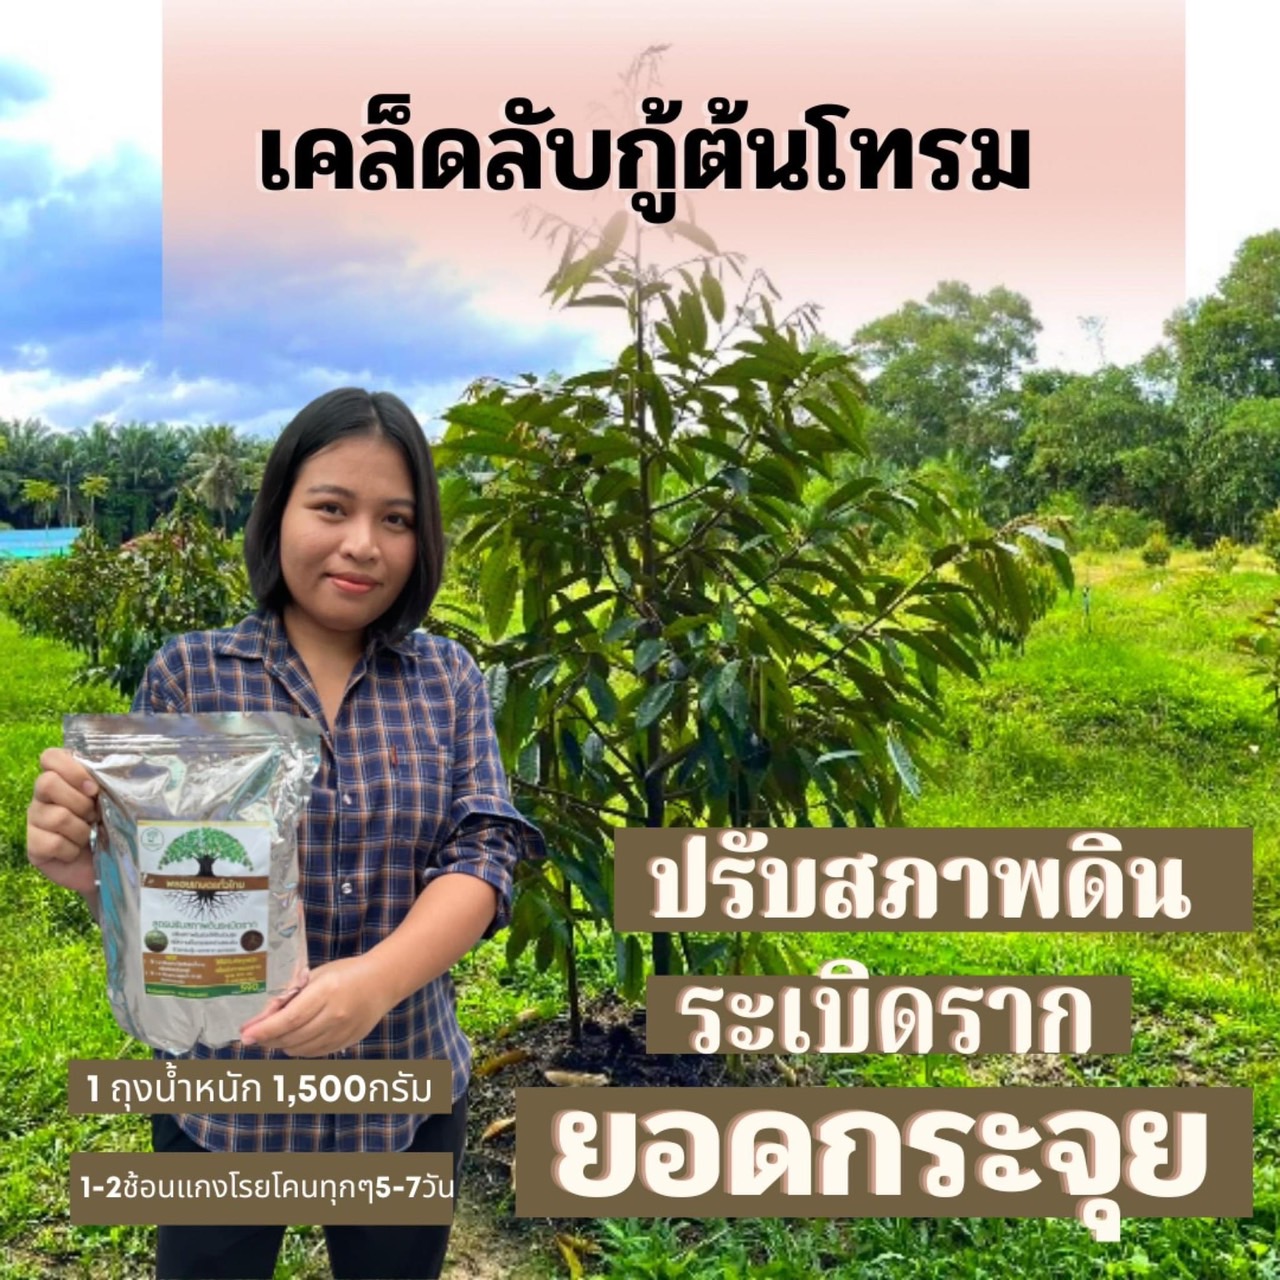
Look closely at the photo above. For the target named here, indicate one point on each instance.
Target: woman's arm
(344, 1000)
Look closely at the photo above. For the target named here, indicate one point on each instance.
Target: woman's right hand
(63, 809)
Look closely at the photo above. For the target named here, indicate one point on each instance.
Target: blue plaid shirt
(410, 787)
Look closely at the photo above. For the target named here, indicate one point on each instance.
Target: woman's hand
(62, 811)
(341, 1003)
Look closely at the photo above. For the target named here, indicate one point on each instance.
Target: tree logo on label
(206, 847)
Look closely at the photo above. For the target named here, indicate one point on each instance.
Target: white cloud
(102, 66)
(41, 393)
(1233, 186)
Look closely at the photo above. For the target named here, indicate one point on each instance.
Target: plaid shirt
(410, 787)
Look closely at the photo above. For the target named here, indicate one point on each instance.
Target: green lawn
(1141, 716)
(1138, 715)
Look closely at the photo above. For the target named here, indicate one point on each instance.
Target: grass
(1140, 715)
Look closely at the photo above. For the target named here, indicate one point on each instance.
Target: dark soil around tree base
(613, 1036)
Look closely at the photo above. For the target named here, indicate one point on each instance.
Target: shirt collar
(262, 635)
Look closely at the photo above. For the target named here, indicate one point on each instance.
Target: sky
(82, 329)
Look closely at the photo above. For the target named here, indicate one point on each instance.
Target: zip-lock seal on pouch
(196, 859)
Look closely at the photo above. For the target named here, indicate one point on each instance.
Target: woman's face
(347, 543)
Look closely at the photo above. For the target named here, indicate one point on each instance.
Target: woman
(409, 840)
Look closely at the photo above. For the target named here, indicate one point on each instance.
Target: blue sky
(81, 332)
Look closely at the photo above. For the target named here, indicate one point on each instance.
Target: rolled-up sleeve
(486, 835)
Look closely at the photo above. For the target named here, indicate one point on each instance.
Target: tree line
(1186, 440)
(1188, 437)
(120, 479)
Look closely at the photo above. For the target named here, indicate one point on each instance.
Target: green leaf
(498, 583)
(659, 402)
(849, 492)
(615, 482)
(669, 339)
(691, 325)
(654, 703)
(571, 751)
(630, 959)
(902, 761)
(1014, 588)
(713, 292)
(845, 421)
(481, 416)
(728, 622)
(528, 763)
(497, 680)
(612, 236)
(603, 696)
(593, 749)
(545, 674)
(728, 676)
(647, 653)
(598, 300)
(620, 628)
(544, 952)
(690, 622)
(596, 894)
(693, 233)
(735, 703)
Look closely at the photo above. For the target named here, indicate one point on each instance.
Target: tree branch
(577, 802)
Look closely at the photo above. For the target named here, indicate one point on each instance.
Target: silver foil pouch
(196, 858)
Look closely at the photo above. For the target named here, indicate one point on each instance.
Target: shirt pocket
(423, 773)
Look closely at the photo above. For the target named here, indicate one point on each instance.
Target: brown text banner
(208, 1188)
(261, 1086)
(844, 1010)
(847, 879)
(1095, 1154)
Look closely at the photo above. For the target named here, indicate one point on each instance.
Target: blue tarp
(31, 544)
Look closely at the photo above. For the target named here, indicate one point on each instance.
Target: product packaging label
(204, 901)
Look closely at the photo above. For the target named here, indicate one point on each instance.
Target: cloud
(85, 332)
(81, 261)
(20, 85)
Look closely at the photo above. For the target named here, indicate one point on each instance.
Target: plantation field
(1138, 714)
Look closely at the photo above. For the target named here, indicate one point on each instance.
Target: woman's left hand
(341, 1003)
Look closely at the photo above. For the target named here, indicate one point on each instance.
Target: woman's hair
(337, 415)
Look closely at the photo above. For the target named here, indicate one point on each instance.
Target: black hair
(337, 415)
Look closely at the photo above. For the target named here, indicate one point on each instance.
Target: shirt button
(346, 798)
(346, 886)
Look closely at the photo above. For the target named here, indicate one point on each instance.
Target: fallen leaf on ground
(492, 1065)
(574, 1079)
(570, 1256)
(497, 1127)
(522, 1019)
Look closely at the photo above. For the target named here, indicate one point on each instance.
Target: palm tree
(42, 497)
(62, 451)
(23, 457)
(93, 488)
(145, 471)
(219, 468)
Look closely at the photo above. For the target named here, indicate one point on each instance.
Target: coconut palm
(219, 467)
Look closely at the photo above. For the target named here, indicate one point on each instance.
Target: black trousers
(356, 1253)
